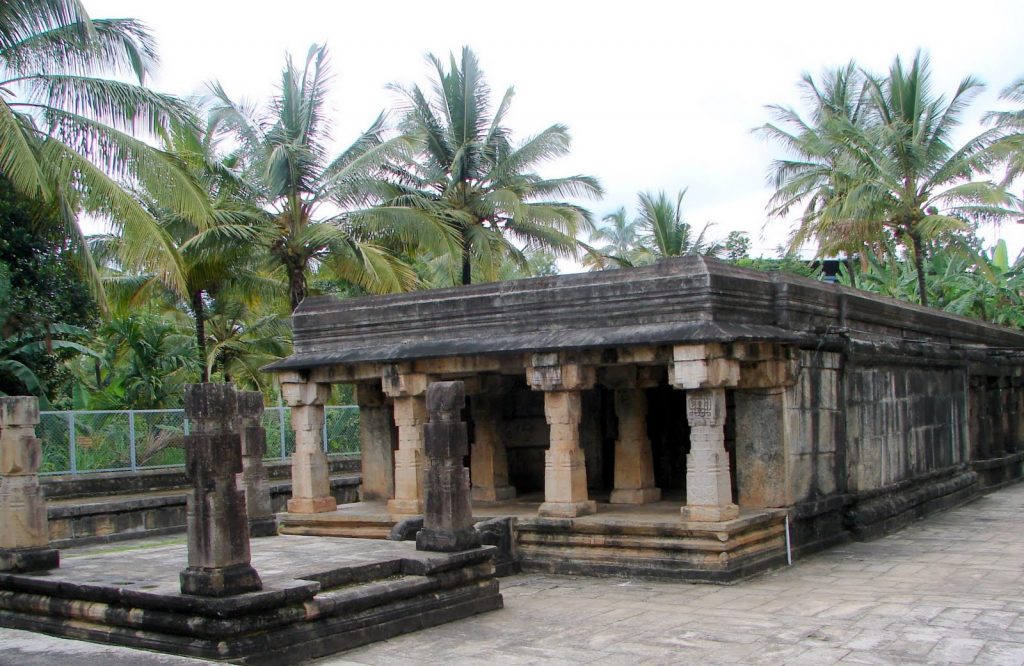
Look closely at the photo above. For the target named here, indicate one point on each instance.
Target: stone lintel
(306, 394)
(629, 376)
(345, 374)
(368, 394)
(767, 365)
(457, 365)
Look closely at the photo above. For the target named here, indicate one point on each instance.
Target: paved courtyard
(947, 590)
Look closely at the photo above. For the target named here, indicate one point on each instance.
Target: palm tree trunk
(467, 272)
(199, 311)
(922, 287)
(296, 285)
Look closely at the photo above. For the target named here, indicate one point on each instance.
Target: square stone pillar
(311, 481)
(407, 390)
(448, 518)
(24, 535)
(488, 458)
(565, 470)
(254, 479)
(376, 443)
(218, 527)
(704, 371)
(634, 461)
(708, 486)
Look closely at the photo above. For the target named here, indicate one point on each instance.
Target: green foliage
(876, 168)
(480, 187)
(737, 245)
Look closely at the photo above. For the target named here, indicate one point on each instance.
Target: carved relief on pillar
(702, 366)
(311, 484)
(407, 391)
(708, 485)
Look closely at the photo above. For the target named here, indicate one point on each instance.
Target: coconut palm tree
(666, 234)
(321, 210)
(621, 242)
(897, 175)
(71, 137)
(470, 175)
(1010, 147)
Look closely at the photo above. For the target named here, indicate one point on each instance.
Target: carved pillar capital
(558, 372)
(702, 366)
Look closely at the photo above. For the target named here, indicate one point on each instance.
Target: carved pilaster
(708, 487)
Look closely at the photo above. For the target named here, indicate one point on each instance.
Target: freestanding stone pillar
(488, 459)
(24, 536)
(311, 481)
(704, 371)
(634, 461)
(376, 443)
(448, 518)
(255, 482)
(565, 469)
(410, 412)
(218, 528)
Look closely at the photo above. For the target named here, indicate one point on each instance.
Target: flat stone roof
(675, 301)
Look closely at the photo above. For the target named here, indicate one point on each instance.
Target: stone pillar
(24, 536)
(448, 518)
(410, 413)
(253, 478)
(376, 443)
(703, 371)
(634, 462)
(565, 469)
(708, 487)
(218, 527)
(488, 459)
(311, 481)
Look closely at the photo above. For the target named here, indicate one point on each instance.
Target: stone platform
(319, 596)
(649, 540)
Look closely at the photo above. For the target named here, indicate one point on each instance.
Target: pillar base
(312, 504)
(29, 559)
(263, 526)
(447, 542)
(709, 514)
(499, 494)
(567, 509)
(635, 495)
(220, 581)
(405, 507)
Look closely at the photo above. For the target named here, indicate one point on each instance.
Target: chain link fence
(107, 441)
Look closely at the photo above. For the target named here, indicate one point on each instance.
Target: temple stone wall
(996, 423)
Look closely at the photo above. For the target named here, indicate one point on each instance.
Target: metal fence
(107, 441)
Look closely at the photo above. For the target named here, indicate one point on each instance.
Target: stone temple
(689, 419)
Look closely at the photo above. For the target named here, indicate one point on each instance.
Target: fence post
(131, 439)
(72, 453)
(280, 420)
(323, 439)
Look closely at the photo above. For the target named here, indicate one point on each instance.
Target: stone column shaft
(565, 472)
(311, 482)
(634, 461)
(488, 457)
(708, 486)
(410, 416)
(376, 443)
(254, 478)
(24, 533)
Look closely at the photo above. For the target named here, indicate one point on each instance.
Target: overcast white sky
(657, 95)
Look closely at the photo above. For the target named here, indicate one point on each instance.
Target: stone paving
(947, 590)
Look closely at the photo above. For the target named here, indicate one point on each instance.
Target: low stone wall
(116, 506)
